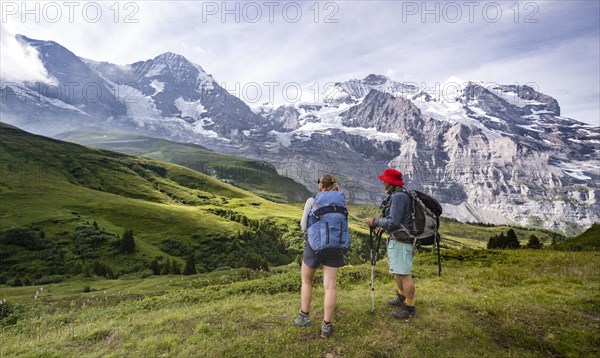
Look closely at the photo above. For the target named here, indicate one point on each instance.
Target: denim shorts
(327, 257)
(400, 256)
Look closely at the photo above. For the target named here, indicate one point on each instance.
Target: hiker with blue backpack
(325, 221)
(396, 220)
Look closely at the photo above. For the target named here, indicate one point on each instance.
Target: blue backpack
(328, 222)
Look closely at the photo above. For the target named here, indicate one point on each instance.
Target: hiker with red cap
(396, 221)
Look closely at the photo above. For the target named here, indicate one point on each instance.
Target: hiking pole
(437, 236)
(378, 234)
(372, 286)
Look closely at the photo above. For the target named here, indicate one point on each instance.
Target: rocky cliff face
(501, 154)
(491, 153)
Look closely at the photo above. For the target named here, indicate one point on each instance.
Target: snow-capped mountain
(165, 96)
(76, 94)
(350, 91)
(498, 154)
(492, 153)
(169, 86)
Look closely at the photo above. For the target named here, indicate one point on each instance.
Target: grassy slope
(524, 303)
(587, 241)
(258, 177)
(55, 186)
(487, 303)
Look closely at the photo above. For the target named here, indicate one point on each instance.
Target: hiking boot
(302, 320)
(326, 330)
(398, 301)
(405, 313)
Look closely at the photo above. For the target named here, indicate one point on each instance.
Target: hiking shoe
(302, 320)
(405, 313)
(326, 330)
(398, 301)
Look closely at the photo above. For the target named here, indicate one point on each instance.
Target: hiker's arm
(397, 207)
(307, 206)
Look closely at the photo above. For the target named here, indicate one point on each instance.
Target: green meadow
(65, 209)
(523, 303)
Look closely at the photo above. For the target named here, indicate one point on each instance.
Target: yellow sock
(409, 302)
(400, 292)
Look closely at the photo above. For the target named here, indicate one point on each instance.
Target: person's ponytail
(329, 183)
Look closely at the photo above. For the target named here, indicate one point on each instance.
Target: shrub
(16, 282)
(25, 238)
(49, 279)
(102, 270)
(89, 240)
(175, 248)
(137, 275)
(11, 313)
(222, 268)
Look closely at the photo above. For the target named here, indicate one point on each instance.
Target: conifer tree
(154, 267)
(175, 270)
(190, 266)
(534, 243)
(127, 243)
(166, 268)
(512, 242)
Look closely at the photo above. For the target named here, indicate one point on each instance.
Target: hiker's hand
(369, 221)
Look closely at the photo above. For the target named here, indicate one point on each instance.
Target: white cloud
(20, 63)
(567, 70)
(368, 37)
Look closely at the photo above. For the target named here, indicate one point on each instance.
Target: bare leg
(308, 274)
(329, 283)
(398, 280)
(405, 283)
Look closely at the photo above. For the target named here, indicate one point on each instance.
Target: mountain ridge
(501, 148)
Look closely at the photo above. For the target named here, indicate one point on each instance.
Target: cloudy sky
(272, 45)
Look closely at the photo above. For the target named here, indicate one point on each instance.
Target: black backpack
(425, 218)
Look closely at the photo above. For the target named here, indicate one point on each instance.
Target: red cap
(392, 176)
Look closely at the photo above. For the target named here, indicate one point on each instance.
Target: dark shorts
(328, 257)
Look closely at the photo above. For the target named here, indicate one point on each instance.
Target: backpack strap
(315, 203)
(320, 212)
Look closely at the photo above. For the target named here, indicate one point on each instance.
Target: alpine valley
(492, 153)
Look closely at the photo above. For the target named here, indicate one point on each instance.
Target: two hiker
(395, 212)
